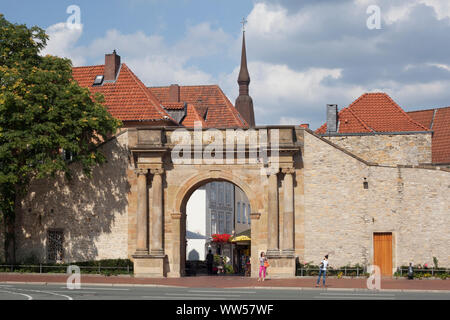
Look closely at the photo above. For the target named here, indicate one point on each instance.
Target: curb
(347, 289)
(233, 288)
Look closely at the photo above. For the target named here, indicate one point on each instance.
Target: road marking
(358, 294)
(47, 292)
(227, 291)
(83, 288)
(182, 298)
(22, 294)
(349, 297)
(201, 295)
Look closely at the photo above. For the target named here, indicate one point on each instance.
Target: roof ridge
(190, 85)
(422, 110)
(96, 65)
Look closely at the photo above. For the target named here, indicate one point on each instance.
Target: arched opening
(215, 236)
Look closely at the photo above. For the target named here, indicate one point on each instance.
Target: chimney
(305, 125)
(174, 93)
(112, 65)
(332, 118)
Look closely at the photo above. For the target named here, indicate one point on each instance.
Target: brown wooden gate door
(382, 252)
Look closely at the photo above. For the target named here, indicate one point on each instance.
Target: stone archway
(192, 184)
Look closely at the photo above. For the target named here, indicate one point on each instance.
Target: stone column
(142, 215)
(288, 215)
(272, 222)
(156, 214)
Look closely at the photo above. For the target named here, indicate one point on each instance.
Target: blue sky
(302, 54)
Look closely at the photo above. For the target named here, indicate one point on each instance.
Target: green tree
(42, 112)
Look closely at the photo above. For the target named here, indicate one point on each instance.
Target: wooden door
(382, 252)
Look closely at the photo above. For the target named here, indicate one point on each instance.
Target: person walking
(209, 262)
(410, 272)
(323, 270)
(262, 266)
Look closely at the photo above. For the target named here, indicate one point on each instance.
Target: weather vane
(243, 22)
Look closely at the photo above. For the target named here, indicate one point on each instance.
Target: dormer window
(98, 80)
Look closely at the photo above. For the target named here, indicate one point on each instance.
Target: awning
(242, 236)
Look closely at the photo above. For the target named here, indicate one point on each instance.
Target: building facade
(215, 208)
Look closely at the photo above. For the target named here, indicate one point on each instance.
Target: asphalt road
(97, 292)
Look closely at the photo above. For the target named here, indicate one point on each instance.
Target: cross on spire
(243, 22)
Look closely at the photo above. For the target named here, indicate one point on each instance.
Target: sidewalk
(231, 282)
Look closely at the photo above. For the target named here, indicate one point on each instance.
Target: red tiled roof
(127, 98)
(193, 116)
(208, 101)
(424, 117)
(174, 105)
(437, 120)
(374, 112)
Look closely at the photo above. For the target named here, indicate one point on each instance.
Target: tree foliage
(42, 112)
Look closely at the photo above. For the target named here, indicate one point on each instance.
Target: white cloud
(150, 57)
(281, 94)
(62, 40)
(274, 21)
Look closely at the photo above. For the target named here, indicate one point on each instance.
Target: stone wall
(341, 215)
(91, 212)
(407, 149)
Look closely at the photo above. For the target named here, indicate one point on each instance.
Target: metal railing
(42, 268)
(362, 271)
(346, 271)
(423, 271)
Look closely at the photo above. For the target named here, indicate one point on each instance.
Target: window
(213, 193)
(213, 223)
(55, 240)
(220, 195)
(238, 212)
(244, 220)
(67, 155)
(248, 213)
(229, 195)
(228, 225)
(221, 223)
(98, 80)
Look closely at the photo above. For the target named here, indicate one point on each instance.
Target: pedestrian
(263, 264)
(410, 272)
(322, 270)
(209, 262)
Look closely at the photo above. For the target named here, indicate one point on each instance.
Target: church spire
(244, 103)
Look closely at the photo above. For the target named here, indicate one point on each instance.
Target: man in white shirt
(323, 270)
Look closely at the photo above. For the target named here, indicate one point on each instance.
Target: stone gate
(170, 164)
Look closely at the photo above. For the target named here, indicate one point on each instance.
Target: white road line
(225, 291)
(358, 294)
(355, 298)
(22, 294)
(182, 298)
(106, 289)
(201, 295)
(47, 292)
